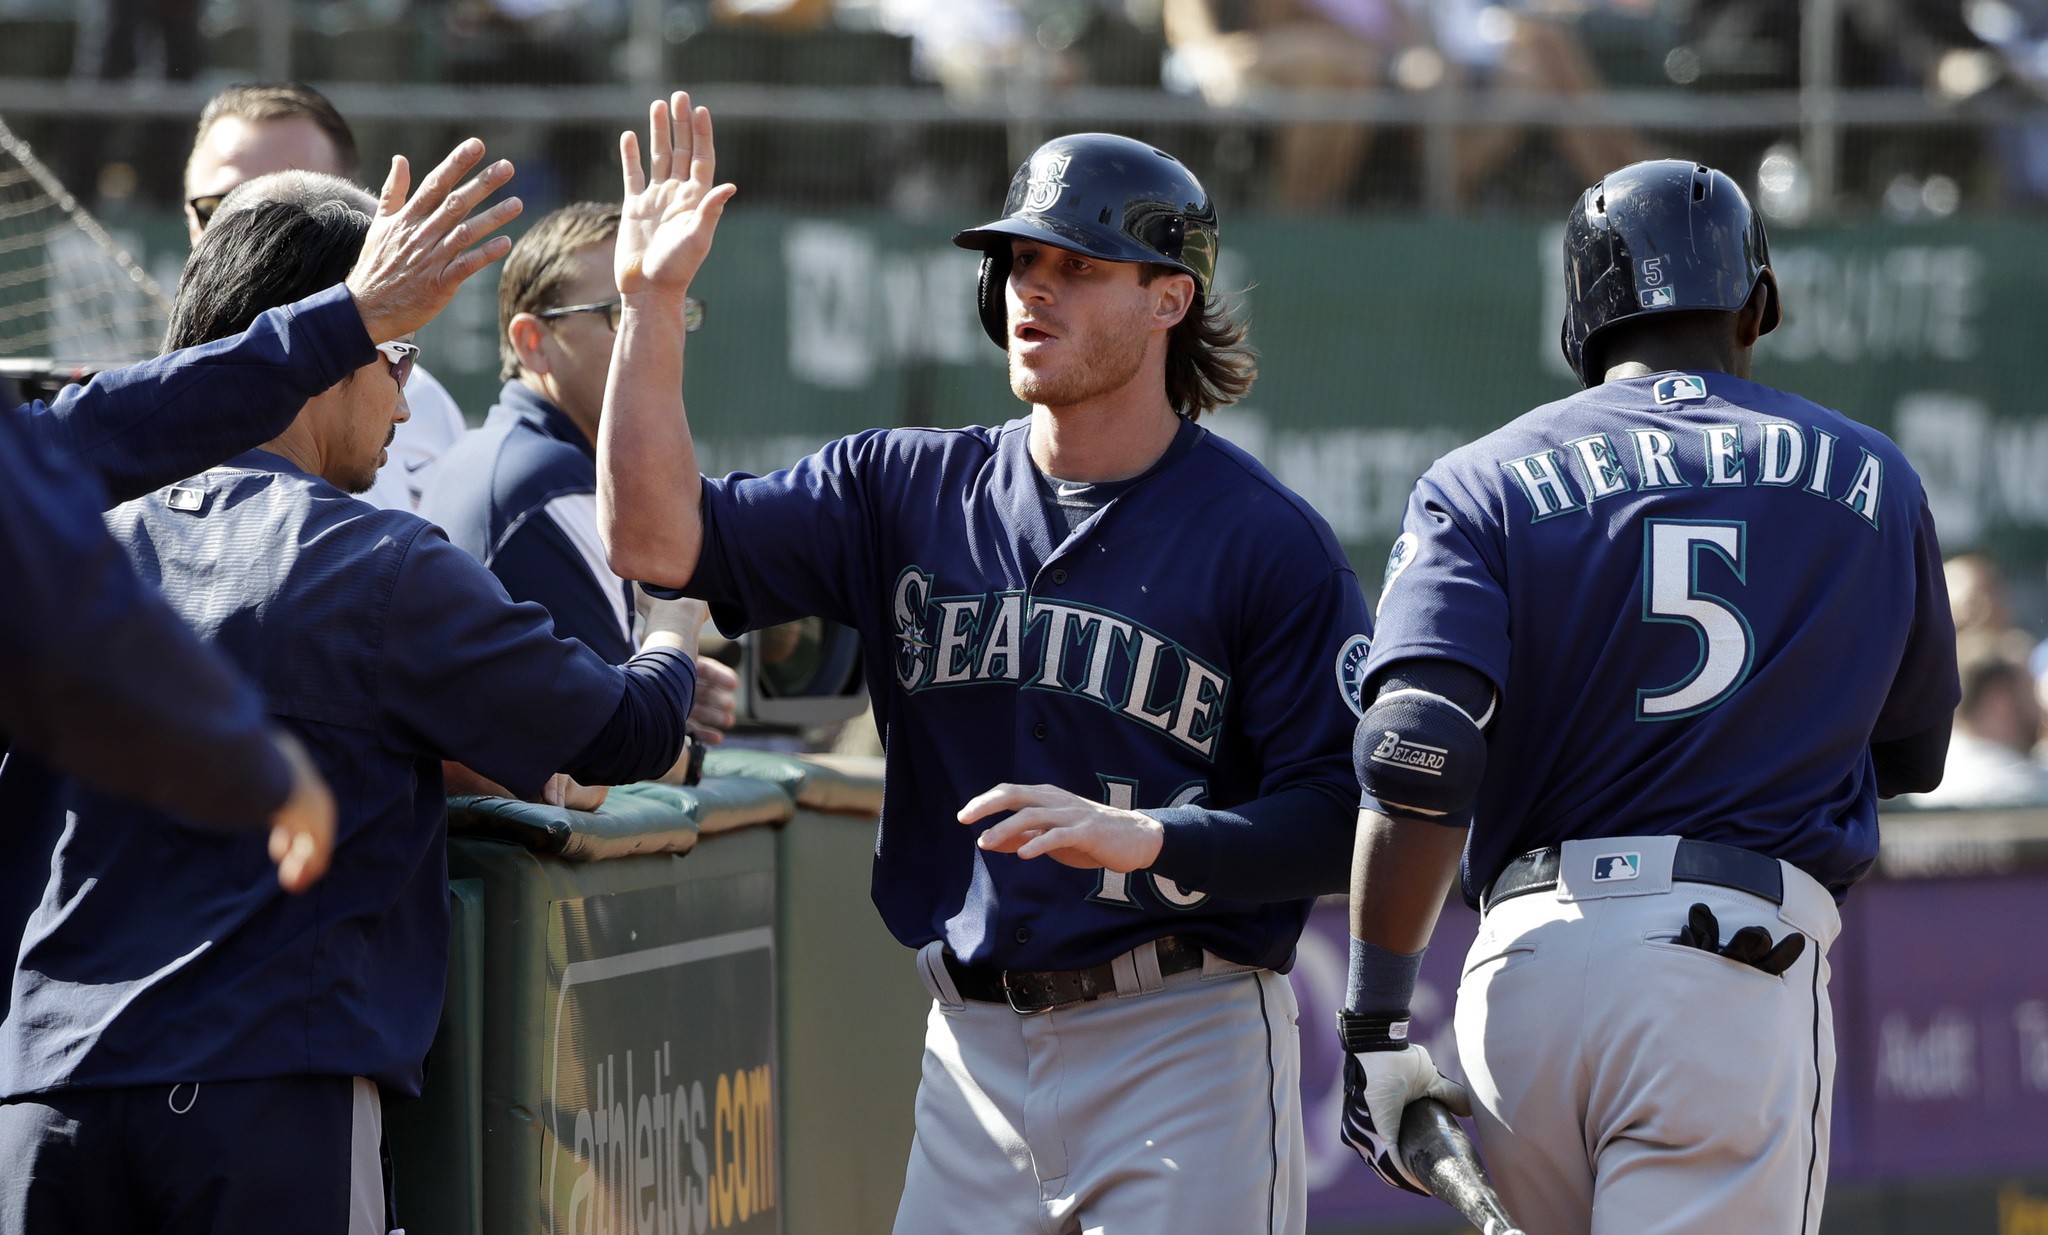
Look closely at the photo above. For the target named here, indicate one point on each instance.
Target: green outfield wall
(1385, 342)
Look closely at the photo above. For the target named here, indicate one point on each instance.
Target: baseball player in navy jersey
(1115, 666)
(1662, 645)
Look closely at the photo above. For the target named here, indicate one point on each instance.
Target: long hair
(258, 257)
(1208, 362)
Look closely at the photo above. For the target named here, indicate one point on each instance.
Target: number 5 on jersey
(1114, 887)
(1672, 554)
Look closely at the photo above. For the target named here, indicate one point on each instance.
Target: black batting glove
(1751, 945)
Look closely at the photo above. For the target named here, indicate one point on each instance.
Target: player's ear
(528, 335)
(1173, 299)
(1759, 315)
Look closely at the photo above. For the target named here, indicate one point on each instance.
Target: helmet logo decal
(1655, 293)
(1048, 177)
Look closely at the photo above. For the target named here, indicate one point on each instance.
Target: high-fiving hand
(419, 249)
(671, 209)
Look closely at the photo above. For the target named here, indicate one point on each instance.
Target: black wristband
(1373, 1031)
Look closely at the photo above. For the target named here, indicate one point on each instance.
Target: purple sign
(1941, 1016)
(1940, 992)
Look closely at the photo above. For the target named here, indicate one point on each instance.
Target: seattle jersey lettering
(1037, 644)
(1578, 474)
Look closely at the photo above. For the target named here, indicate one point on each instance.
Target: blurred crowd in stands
(1227, 52)
(1998, 756)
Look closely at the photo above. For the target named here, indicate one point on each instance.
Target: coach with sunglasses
(190, 1048)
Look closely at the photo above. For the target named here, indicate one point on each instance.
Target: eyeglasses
(203, 206)
(693, 312)
(401, 357)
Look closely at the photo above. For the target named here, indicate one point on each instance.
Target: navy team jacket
(163, 953)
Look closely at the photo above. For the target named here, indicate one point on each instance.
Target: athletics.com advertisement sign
(663, 1085)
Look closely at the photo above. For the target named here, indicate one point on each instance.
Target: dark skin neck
(1692, 342)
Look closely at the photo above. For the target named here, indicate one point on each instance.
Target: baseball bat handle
(1439, 1154)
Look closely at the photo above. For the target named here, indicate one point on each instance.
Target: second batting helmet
(1658, 237)
(1100, 195)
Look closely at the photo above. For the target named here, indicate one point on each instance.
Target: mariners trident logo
(1048, 177)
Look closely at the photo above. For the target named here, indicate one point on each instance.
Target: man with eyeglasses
(190, 1048)
(248, 131)
(520, 493)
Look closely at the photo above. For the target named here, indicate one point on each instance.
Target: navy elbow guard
(1420, 755)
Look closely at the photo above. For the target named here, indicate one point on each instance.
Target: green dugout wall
(1386, 341)
(679, 1014)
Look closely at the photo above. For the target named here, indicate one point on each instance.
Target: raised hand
(419, 249)
(671, 209)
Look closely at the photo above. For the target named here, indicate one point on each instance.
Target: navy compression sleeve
(1291, 845)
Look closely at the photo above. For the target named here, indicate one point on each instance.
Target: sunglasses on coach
(400, 356)
(203, 206)
(693, 312)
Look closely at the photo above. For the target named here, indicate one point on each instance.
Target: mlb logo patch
(1657, 298)
(1681, 389)
(1615, 867)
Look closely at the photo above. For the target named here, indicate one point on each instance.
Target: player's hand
(717, 704)
(419, 249)
(1071, 829)
(563, 790)
(302, 830)
(671, 209)
(1380, 1079)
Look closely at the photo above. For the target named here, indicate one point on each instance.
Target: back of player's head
(266, 252)
(258, 102)
(1121, 200)
(1660, 237)
(542, 266)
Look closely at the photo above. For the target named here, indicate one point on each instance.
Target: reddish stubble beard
(1088, 361)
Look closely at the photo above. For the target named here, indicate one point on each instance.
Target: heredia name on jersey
(1578, 474)
(1034, 643)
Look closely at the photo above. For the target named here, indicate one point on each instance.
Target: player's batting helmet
(1657, 237)
(1102, 195)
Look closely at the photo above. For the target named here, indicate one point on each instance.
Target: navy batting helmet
(1104, 196)
(1654, 238)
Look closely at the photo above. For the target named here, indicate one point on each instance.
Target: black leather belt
(1041, 990)
(1697, 861)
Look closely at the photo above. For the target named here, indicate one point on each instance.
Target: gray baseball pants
(1172, 1107)
(1624, 1084)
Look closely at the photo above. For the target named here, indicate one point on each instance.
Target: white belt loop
(171, 1099)
(1146, 958)
(938, 980)
(1124, 968)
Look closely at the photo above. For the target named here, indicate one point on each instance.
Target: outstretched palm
(671, 209)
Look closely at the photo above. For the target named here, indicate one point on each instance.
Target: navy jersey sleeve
(471, 675)
(1297, 715)
(538, 563)
(99, 677)
(1926, 688)
(1443, 594)
(148, 424)
(796, 543)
